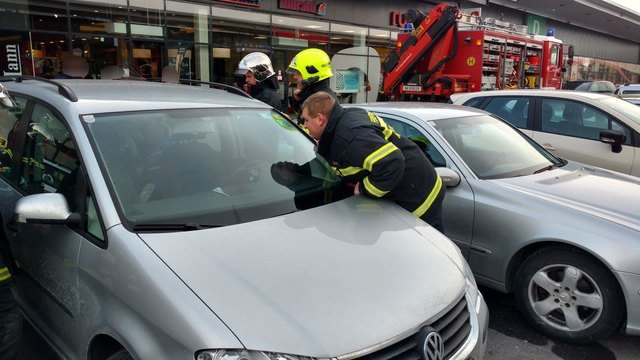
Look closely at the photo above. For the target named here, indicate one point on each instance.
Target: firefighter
(368, 153)
(10, 317)
(311, 70)
(261, 79)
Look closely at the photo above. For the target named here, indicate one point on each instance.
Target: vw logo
(433, 348)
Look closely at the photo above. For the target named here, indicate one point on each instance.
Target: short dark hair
(319, 103)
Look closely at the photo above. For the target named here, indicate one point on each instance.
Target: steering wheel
(249, 172)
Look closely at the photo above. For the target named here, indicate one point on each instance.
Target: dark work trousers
(10, 330)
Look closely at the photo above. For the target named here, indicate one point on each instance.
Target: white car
(591, 128)
(629, 92)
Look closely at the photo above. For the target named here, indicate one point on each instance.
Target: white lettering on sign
(13, 60)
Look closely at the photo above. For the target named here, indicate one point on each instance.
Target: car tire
(121, 355)
(567, 295)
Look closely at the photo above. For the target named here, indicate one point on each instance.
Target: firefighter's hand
(285, 173)
(356, 189)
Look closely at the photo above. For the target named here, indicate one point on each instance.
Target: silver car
(564, 237)
(149, 225)
(591, 128)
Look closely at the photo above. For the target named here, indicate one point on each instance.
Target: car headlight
(242, 354)
(472, 288)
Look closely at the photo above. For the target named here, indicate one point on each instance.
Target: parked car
(149, 226)
(629, 92)
(629, 89)
(599, 86)
(594, 129)
(565, 238)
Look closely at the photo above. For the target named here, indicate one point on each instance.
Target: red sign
(397, 19)
(306, 6)
(254, 3)
(299, 34)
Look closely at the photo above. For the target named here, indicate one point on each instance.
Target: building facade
(205, 40)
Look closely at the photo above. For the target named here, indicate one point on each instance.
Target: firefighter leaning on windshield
(368, 153)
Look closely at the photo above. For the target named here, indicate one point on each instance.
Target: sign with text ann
(306, 6)
(10, 60)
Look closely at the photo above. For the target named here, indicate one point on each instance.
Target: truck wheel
(121, 355)
(567, 295)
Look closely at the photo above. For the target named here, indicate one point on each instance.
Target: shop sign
(11, 60)
(254, 3)
(398, 19)
(306, 6)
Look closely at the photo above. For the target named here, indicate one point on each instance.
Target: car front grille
(454, 327)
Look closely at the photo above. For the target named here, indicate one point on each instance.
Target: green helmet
(313, 64)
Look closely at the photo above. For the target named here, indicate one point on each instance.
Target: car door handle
(548, 147)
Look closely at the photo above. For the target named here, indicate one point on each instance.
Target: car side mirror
(6, 102)
(449, 177)
(613, 137)
(49, 208)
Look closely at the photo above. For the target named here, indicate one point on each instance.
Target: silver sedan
(563, 236)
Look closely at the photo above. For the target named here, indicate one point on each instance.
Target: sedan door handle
(548, 147)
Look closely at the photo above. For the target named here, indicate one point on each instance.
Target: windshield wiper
(546, 168)
(171, 227)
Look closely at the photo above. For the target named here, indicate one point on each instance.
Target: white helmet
(258, 63)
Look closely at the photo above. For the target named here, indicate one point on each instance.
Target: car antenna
(63, 89)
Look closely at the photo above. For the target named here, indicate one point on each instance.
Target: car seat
(188, 167)
(572, 121)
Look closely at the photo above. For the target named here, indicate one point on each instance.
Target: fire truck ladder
(399, 65)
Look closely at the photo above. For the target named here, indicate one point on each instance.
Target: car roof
(534, 92)
(99, 96)
(427, 111)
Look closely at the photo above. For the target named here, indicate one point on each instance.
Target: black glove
(287, 173)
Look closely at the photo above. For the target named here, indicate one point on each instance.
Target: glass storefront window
(100, 52)
(147, 19)
(48, 51)
(234, 34)
(187, 22)
(299, 33)
(147, 60)
(14, 15)
(585, 68)
(346, 36)
(48, 15)
(95, 17)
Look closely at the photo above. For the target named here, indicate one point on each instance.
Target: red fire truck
(444, 55)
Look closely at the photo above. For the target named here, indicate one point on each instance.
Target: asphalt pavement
(510, 337)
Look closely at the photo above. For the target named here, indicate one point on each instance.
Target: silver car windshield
(493, 149)
(209, 167)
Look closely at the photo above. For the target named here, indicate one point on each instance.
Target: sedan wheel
(569, 296)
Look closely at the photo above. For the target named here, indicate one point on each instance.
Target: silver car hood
(607, 194)
(322, 282)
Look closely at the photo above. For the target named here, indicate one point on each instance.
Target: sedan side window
(420, 139)
(515, 110)
(578, 120)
